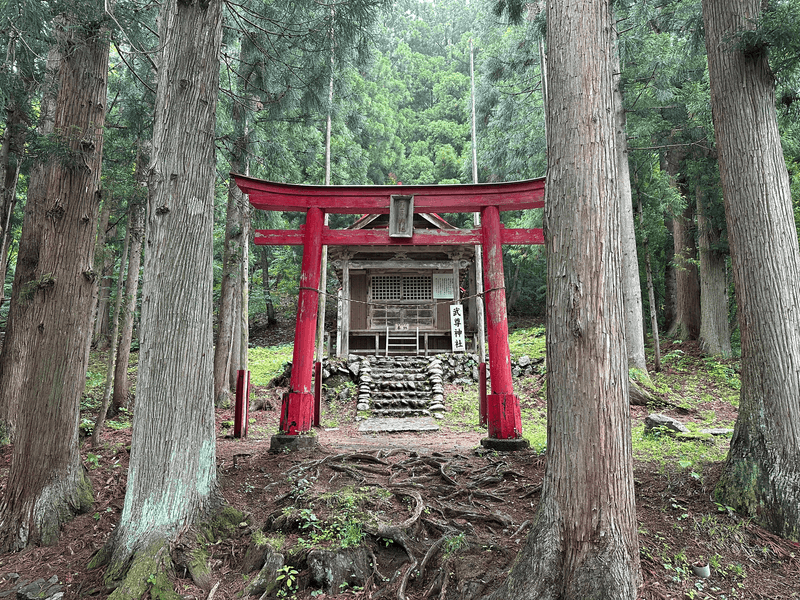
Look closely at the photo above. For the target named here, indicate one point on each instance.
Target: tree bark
(670, 292)
(715, 335)
(686, 322)
(47, 345)
(687, 280)
(11, 152)
(583, 543)
(650, 294)
(122, 386)
(265, 260)
(761, 477)
(14, 356)
(104, 264)
(631, 284)
(226, 354)
(100, 259)
(100, 421)
(172, 472)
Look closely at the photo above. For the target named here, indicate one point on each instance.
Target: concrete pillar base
(280, 442)
(510, 445)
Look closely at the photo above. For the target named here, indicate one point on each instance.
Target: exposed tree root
(445, 500)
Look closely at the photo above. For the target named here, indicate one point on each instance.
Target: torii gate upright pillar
(502, 406)
(297, 409)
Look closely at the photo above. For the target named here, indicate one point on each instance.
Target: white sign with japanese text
(457, 327)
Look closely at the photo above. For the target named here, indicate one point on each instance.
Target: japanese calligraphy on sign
(457, 327)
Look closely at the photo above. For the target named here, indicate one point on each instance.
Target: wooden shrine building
(388, 268)
(399, 299)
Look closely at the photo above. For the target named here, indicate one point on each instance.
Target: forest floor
(464, 512)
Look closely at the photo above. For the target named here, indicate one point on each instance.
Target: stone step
(385, 396)
(401, 402)
(391, 386)
(398, 375)
(400, 387)
(398, 362)
(400, 412)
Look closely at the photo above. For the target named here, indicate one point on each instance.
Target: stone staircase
(401, 387)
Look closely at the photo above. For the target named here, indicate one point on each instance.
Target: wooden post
(344, 349)
(240, 410)
(297, 411)
(317, 394)
(502, 406)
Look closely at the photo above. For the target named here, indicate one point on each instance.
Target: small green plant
(86, 426)
(287, 577)
(259, 539)
(93, 460)
(453, 544)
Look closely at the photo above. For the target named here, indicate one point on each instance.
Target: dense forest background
(395, 81)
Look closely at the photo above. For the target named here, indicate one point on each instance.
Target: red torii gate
(502, 411)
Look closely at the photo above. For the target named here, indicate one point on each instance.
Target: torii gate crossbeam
(502, 409)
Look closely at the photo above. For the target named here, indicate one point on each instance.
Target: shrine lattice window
(402, 287)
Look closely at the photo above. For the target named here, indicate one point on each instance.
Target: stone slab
(292, 443)
(505, 445)
(391, 425)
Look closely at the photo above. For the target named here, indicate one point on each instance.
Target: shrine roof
(374, 199)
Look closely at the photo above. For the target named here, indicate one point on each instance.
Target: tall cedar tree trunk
(265, 285)
(244, 286)
(102, 322)
(100, 420)
(583, 543)
(651, 294)
(225, 356)
(687, 279)
(10, 161)
(51, 304)
(761, 477)
(122, 385)
(104, 265)
(631, 285)
(172, 474)
(686, 324)
(715, 333)
(14, 356)
(670, 283)
(100, 255)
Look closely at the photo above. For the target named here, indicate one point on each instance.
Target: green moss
(161, 587)
(102, 557)
(64, 509)
(752, 491)
(227, 521)
(144, 571)
(84, 493)
(198, 564)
